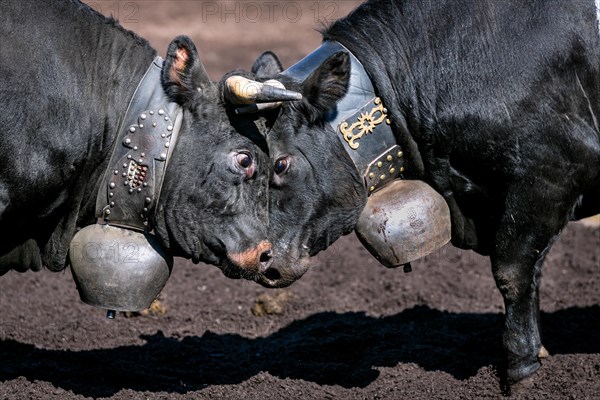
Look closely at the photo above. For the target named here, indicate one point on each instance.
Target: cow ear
(183, 75)
(266, 66)
(327, 85)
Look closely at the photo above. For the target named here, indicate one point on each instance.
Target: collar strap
(359, 119)
(146, 137)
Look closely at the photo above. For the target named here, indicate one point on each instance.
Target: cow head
(213, 204)
(316, 194)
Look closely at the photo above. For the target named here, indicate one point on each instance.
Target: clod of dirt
(158, 308)
(543, 353)
(270, 305)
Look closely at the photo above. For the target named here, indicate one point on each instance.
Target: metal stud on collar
(130, 192)
(140, 152)
(384, 169)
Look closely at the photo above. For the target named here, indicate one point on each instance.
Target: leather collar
(360, 120)
(131, 186)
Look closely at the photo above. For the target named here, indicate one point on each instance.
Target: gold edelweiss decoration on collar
(366, 123)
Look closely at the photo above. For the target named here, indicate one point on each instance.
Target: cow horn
(244, 91)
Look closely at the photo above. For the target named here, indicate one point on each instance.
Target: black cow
(67, 75)
(494, 104)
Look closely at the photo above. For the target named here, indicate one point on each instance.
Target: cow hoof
(520, 372)
(543, 353)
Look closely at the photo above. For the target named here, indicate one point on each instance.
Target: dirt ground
(350, 329)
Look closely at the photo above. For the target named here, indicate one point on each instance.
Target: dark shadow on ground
(325, 348)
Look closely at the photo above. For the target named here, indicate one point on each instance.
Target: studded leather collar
(131, 186)
(359, 119)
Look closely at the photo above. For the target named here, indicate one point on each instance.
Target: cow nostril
(272, 274)
(266, 256)
(255, 259)
(266, 259)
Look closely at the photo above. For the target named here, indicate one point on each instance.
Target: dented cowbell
(404, 221)
(118, 269)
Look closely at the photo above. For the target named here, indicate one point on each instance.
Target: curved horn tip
(241, 91)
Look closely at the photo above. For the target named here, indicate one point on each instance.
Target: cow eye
(244, 160)
(280, 165)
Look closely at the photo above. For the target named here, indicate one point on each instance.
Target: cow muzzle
(283, 273)
(256, 259)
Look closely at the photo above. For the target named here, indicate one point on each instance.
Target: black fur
(183, 84)
(323, 88)
(65, 81)
(495, 105)
(267, 65)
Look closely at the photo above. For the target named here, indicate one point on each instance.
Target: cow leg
(522, 242)
(518, 279)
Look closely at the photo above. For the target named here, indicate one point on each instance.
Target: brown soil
(350, 329)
